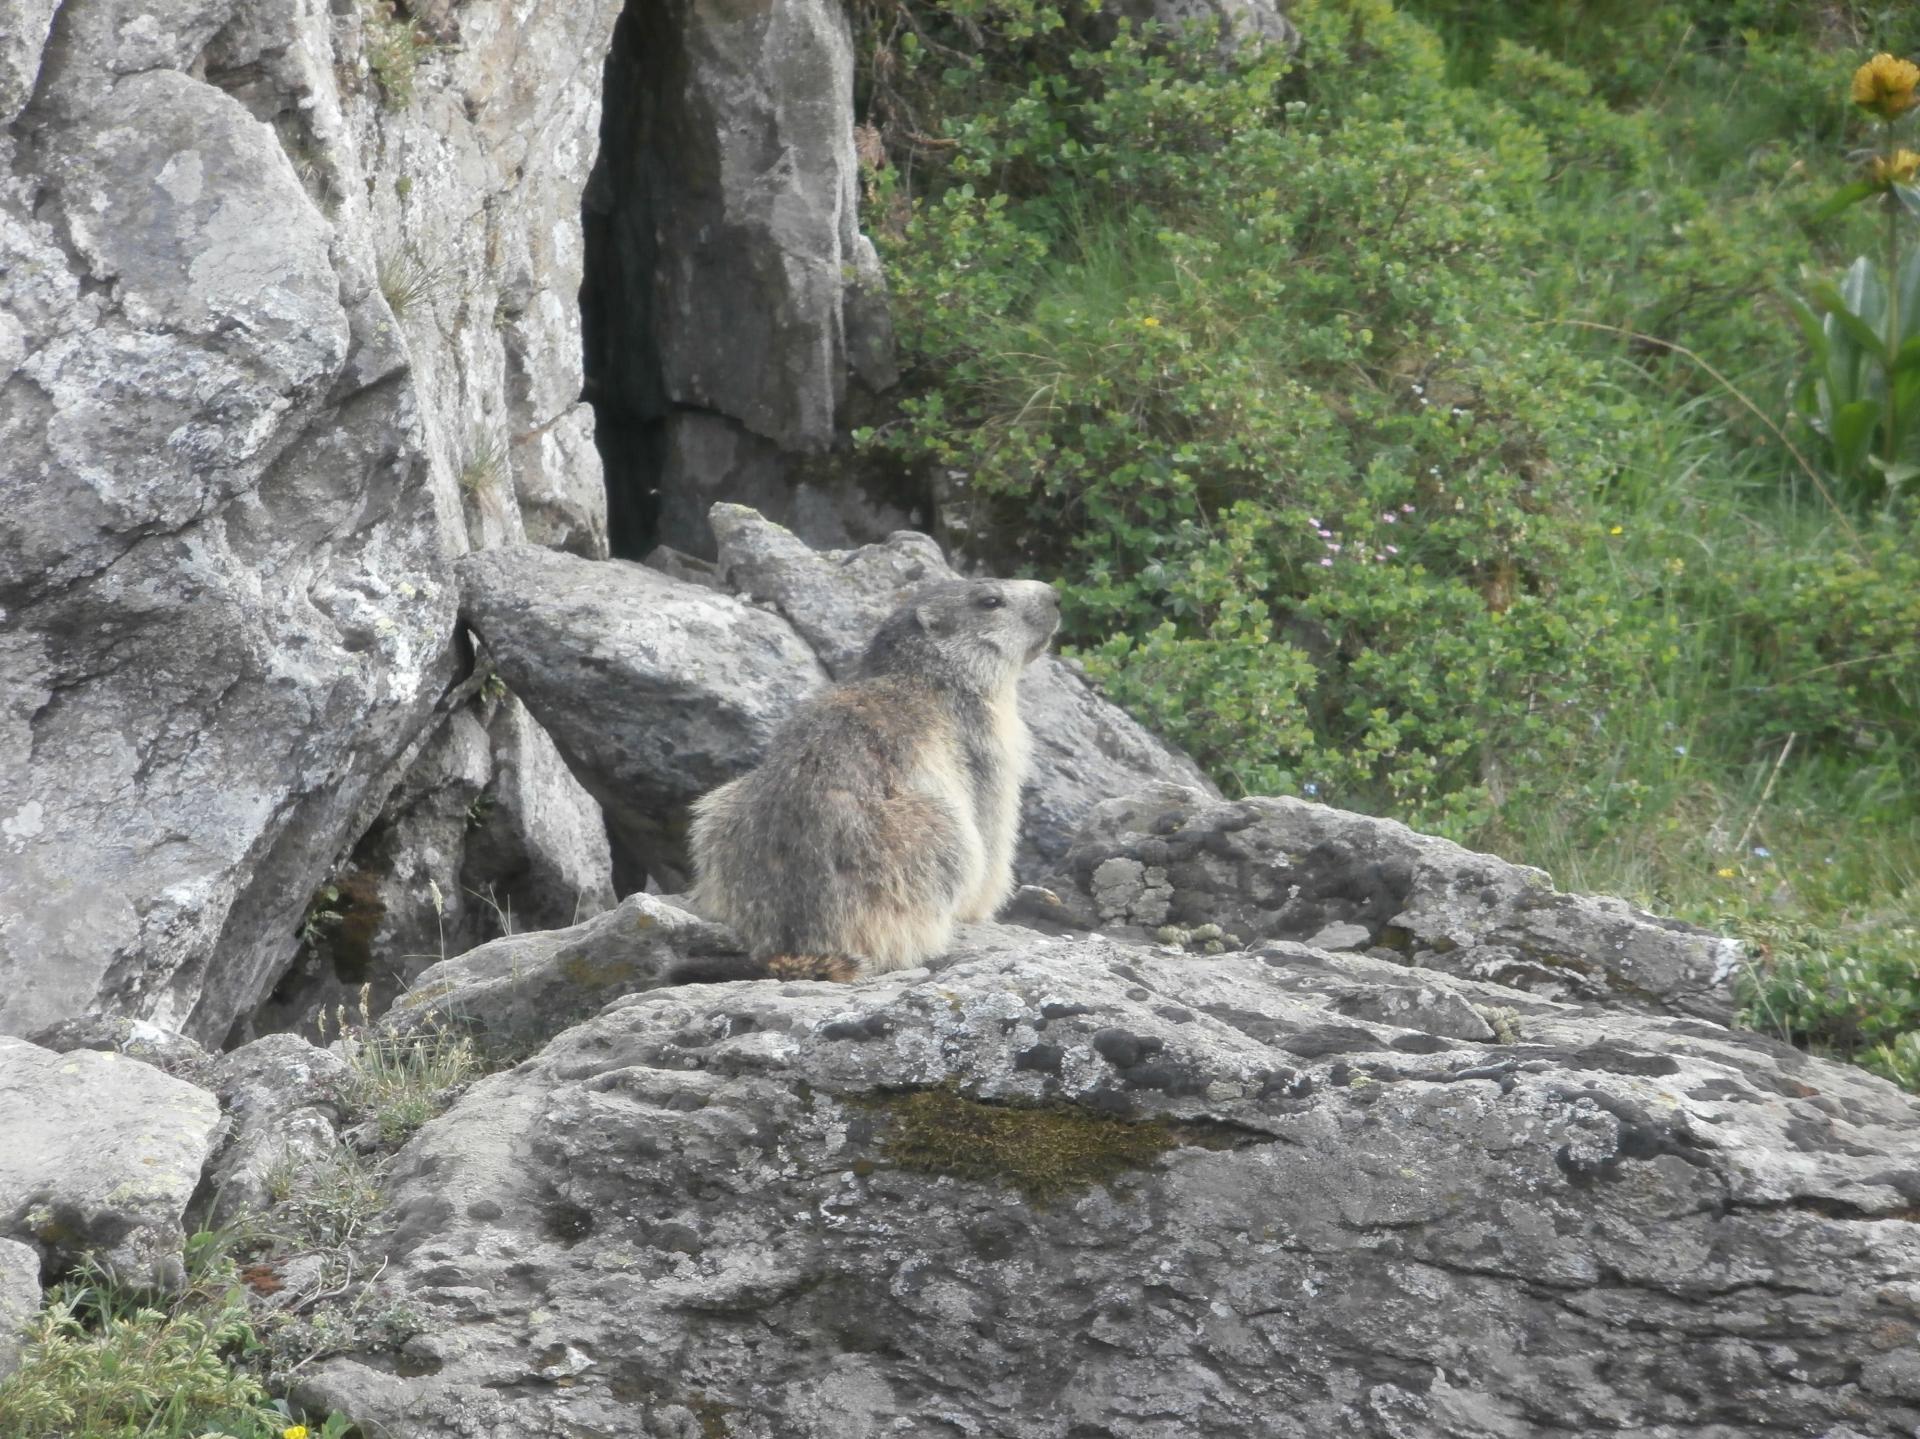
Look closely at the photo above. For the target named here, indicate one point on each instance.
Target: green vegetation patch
(105, 1362)
(1044, 1151)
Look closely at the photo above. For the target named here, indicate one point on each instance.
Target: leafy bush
(1313, 476)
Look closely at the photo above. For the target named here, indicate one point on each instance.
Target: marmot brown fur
(887, 807)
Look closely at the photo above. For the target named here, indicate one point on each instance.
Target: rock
(1074, 1186)
(514, 994)
(486, 832)
(276, 344)
(19, 1299)
(730, 294)
(540, 847)
(166, 1050)
(654, 691)
(1085, 749)
(283, 1098)
(1288, 869)
(1241, 23)
(102, 1155)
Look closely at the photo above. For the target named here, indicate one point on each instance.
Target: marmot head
(978, 634)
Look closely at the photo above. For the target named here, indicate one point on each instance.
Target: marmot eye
(990, 602)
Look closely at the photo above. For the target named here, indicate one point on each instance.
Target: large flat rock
(102, 1154)
(1289, 869)
(753, 1209)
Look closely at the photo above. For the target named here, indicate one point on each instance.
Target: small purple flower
(1391, 518)
(1406, 509)
(1324, 534)
(1393, 549)
(1313, 522)
(1335, 548)
(1326, 564)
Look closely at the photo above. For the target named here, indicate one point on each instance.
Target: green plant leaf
(1853, 433)
(1900, 472)
(1841, 199)
(1857, 326)
(1809, 322)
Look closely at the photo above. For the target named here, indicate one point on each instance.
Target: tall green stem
(1890, 448)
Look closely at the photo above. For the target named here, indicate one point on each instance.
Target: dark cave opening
(734, 319)
(618, 298)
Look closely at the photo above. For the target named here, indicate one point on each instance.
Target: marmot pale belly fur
(887, 807)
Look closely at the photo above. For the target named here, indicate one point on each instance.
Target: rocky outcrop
(731, 295)
(102, 1154)
(1078, 1186)
(19, 1299)
(1173, 861)
(513, 995)
(1240, 23)
(286, 323)
(283, 1099)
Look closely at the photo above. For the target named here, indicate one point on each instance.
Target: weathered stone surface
(273, 347)
(654, 691)
(1085, 749)
(539, 848)
(102, 1155)
(695, 1208)
(282, 1097)
(731, 295)
(1240, 22)
(164, 1049)
(1288, 869)
(514, 994)
(486, 832)
(19, 1299)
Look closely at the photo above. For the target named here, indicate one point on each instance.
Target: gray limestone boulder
(19, 1299)
(102, 1154)
(655, 691)
(514, 994)
(734, 299)
(276, 344)
(283, 1099)
(164, 1049)
(1072, 1187)
(1241, 23)
(1262, 869)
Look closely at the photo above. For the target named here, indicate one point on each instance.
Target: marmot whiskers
(887, 807)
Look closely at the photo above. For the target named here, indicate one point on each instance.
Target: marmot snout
(887, 808)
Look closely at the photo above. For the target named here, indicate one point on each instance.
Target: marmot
(887, 807)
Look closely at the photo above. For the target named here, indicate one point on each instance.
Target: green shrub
(1314, 476)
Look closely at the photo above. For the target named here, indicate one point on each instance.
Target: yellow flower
(1617, 530)
(1898, 170)
(1150, 322)
(1727, 873)
(296, 1431)
(1885, 86)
